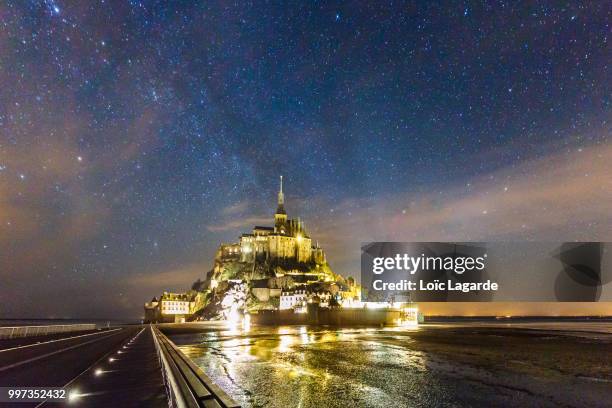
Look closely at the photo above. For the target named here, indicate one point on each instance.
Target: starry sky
(135, 136)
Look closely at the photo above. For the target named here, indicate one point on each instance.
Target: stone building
(287, 240)
(297, 299)
(171, 307)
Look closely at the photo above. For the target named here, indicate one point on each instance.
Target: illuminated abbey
(287, 240)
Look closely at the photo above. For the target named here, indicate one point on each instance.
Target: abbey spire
(287, 242)
(281, 196)
(280, 217)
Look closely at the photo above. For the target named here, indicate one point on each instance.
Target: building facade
(171, 307)
(286, 240)
(298, 299)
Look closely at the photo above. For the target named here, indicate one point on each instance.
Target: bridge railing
(28, 331)
(187, 384)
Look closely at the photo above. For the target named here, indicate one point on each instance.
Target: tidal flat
(429, 365)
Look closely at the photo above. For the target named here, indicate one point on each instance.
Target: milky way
(137, 136)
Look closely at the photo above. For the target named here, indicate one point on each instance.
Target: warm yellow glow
(503, 309)
(376, 305)
(408, 323)
(233, 317)
(246, 321)
(409, 317)
(286, 342)
(299, 238)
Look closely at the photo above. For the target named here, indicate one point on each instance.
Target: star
(152, 126)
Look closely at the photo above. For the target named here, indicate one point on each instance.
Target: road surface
(117, 367)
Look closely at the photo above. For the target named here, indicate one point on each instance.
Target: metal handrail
(188, 385)
(30, 331)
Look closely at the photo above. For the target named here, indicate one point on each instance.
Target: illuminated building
(286, 240)
(298, 299)
(171, 307)
(151, 310)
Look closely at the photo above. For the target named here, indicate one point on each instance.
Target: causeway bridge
(124, 366)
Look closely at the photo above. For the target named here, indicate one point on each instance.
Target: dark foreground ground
(116, 367)
(438, 365)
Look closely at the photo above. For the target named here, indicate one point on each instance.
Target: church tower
(280, 217)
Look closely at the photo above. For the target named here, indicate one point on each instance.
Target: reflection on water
(308, 367)
(334, 367)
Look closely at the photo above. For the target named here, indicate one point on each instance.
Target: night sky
(137, 136)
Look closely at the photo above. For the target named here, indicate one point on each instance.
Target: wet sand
(436, 365)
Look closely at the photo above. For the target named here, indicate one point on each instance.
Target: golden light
(246, 321)
(376, 305)
(410, 316)
(233, 316)
(299, 238)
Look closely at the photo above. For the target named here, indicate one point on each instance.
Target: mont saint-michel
(284, 249)
(274, 268)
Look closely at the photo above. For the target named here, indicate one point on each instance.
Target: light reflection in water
(330, 367)
(303, 366)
